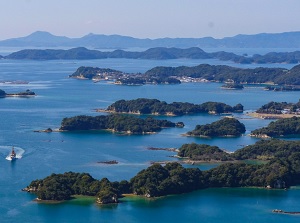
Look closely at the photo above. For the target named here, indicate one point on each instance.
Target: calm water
(44, 153)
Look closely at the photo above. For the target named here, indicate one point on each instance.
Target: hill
(157, 53)
(262, 40)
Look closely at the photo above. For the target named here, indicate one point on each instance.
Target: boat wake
(6, 152)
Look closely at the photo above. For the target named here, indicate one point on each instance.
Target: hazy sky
(148, 18)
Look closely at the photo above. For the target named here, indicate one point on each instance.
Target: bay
(44, 153)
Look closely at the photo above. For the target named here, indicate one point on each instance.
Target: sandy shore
(271, 116)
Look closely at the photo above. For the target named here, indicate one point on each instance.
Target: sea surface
(40, 154)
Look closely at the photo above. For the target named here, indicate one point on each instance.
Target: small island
(142, 106)
(27, 93)
(279, 128)
(225, 127)
(232, 86)
(124, 124)
(280, 171)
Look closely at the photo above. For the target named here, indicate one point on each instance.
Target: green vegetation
(222, 73)
(116, 123)
(154, 106)
(277, 107)
(157, 180)
(203, 152)
(62, 186)
(90, 72)
(282, 170)
(131, 81)
(141, 80)
(261, 150)
(283, 78)
(224, 127)
(157, 53)
(267, 150)
(233, 86)
(279, 128)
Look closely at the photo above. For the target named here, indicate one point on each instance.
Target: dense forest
(261, 150)
(223, 127)
(222, 73)
(116, 123)
(277, 107)
(203, 152)
(154, 106)
(216, 73)
(279, 128)
(90, 72)
(142, 80)
(234, 86)
(282, 170)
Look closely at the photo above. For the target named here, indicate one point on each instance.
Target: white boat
(13, 155)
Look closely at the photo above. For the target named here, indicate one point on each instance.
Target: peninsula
(281, 171)
(117, 123)
(143, 106)
(225, 127)
(279, 128)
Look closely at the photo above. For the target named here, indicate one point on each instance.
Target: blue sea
(58, 96)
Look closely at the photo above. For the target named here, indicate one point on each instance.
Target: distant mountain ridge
(262, 40)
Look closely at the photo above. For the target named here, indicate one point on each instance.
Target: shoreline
(19, 95)
(271, 116)
(105, 130)
(133, 113)
(208, 137)
(184, 160)
(168, 114)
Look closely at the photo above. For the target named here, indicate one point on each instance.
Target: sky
(148, 18)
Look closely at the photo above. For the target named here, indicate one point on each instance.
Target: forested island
(232, 86)
(157, 107)
(97, 73)
(279, 128)
(26, 93)
(263, 150)
(222, 128)
(289, 79)
(203, 153)
(281, 170)
(116, 123)
(157, 53)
